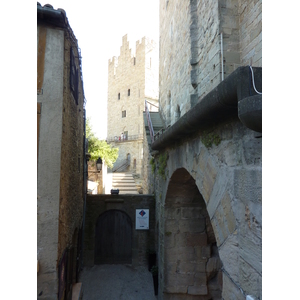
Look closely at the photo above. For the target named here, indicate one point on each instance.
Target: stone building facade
(208, 163)
(61, 154)
(132, 79)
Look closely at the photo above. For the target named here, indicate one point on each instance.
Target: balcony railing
(119, 139)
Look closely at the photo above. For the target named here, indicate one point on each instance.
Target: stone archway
(192, 267)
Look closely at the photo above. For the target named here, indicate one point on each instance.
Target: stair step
(122, 187)
(124, 182)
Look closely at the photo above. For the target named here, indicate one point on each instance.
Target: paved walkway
(113, 282)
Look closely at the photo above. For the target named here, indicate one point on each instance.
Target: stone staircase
(124, 182)
(157, 124)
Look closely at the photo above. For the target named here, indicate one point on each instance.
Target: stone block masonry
(200, 41)
(132, 79)
(230, 193)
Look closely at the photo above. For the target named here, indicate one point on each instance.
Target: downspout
(220, 104)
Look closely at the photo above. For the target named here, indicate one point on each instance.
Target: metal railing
(121, 166)
(125, 138)
(149, 121)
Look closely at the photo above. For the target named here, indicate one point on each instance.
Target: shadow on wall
(192, 265)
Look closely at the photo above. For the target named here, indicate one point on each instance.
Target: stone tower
(132, 79)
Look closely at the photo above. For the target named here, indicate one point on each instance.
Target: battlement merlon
(141, 42)
(141, 46)
(113, 62)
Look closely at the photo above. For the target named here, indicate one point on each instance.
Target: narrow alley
(112, 282)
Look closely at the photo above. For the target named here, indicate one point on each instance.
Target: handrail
(149, 122)
(152, 104)
(123, 163)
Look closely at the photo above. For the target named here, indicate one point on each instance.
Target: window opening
(119, 96)
(125, 135)
(124, 114)
(73, 76)
(128, 92)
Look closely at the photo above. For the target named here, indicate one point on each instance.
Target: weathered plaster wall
(142, 240)
(228, 177)
(60, 159)
(49, 162)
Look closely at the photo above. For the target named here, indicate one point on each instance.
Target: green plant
(208, 139)
(153, 165)
(100, 148)
(162, 164)
(154, 270)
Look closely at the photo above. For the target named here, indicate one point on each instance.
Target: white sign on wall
(142, 219)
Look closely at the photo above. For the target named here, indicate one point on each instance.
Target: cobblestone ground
(113, 282)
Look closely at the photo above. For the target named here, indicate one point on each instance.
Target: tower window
(119, 96)
(124, 114)
(128, 92)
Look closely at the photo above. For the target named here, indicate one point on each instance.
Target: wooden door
(113, 238)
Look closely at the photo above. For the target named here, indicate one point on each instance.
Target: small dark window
(73, 76)
(128, 92)
(124, 114)
(134, 61)
(119, 96)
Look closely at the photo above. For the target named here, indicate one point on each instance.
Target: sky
(99, 27)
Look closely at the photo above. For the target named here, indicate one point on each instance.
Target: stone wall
(135, 149)
(195, 37)
(142, 240)
(228, 178)
(72, 160)
(191, 259)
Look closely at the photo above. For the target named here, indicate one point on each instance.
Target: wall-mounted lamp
(99, 164)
